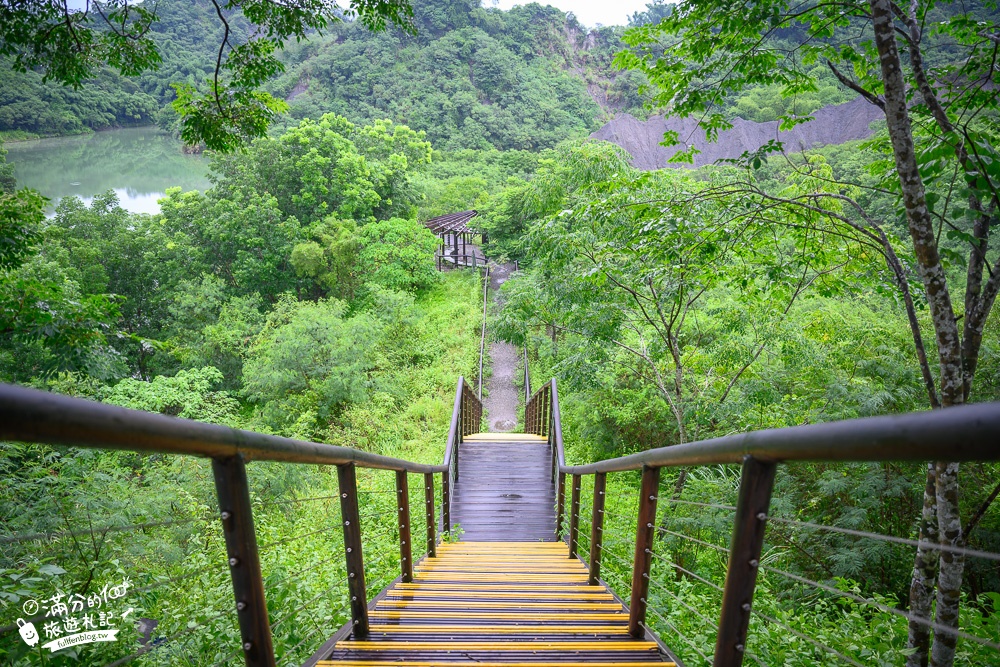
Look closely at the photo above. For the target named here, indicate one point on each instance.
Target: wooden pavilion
(458, 245)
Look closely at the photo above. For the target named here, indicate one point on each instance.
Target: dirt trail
(501, 401)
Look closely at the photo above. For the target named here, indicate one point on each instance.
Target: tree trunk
(949, 345)
(918, 215)
(951, 564)
(924, 575)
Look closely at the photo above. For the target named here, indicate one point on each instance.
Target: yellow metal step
(478, 663)
(475, 604)
(500, 615)
(542, 645)
(500, 595)
(504, 629)
(497, 605)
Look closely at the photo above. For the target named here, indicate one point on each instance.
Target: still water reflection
(139, 164)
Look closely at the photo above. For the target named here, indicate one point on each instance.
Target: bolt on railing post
(350, 515)
(645, 528)
(429, 509)
(446, 501)
(244, 561)
(574, 515)
(403, 510)
(749, 524)
(560, 503)
(597, 528)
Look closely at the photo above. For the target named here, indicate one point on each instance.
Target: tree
(47, 322)
(110, 251)
(240, 235)
(329, 167)
(309, 361)
(655, 12)
(331, 257)
(644, 263)
(398, 254)
(941, 133)
(189, 394)
(72, 44)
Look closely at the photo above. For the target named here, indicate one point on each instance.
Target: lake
(138, 163)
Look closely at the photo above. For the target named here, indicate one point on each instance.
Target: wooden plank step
(504, 437)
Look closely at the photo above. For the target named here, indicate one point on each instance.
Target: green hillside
(471, 77)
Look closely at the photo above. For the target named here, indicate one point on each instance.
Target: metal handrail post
(429, 510)
(574, 515)
(749, 524)
(244, 560)
(403, 513)
(560, 503)
(350, 515)
(597, 528)
(643, 558)
(446, 501)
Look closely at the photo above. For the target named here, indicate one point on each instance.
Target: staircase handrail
(30, 415)
(962, 433)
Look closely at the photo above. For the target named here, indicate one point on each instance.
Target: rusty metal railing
(32, 416)
(967, 433)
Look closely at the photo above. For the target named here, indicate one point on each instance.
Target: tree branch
(863, 92)
(978, 516)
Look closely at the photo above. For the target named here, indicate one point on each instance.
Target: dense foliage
(298, 296)
(671, 313)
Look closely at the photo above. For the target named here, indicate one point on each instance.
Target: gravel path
(501, 401)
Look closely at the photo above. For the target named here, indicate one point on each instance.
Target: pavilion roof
(452, 223)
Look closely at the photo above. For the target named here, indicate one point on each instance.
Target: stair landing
(497, 604)
(504, 491)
